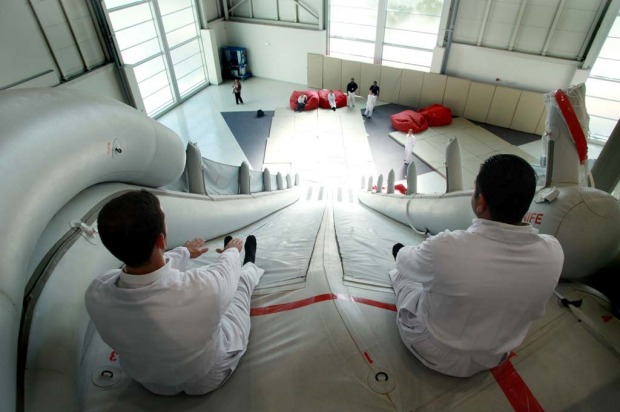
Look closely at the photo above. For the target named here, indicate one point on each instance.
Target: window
(160, 39)
(603, 87)
(405, 30)
(411, 29)
(353, 29)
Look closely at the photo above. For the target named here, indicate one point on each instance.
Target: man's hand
(236, 243)
(196, 247)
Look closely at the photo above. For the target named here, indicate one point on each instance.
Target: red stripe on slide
(369, 302)
(570, 117)
(506, 376)
(515, 389)
(283, 307)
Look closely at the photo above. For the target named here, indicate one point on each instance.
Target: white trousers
(351, 99)
(370, 105)
(235, 324)
(409, 145)
(423, 345)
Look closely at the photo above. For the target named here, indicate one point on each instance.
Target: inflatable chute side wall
(586, 221)
(428, 213)
(70, 142)
(565, 137)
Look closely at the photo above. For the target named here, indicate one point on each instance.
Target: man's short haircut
(129, 226)
(508, 184)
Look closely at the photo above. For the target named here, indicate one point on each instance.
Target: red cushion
(401, 188)
(409, 119)
(311, 104)
(341, 99)
(437, 115)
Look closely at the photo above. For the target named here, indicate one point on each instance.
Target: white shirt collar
(133, 281)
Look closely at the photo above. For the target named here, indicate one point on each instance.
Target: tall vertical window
(399, 33)
(603, 87)
(411, 28)
(353, 29)
(160, 39)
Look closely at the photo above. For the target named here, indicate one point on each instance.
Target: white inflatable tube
(53, 144)
(586, 221)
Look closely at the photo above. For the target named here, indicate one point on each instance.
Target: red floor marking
(267, 310)
(515, 389)
(368, 358)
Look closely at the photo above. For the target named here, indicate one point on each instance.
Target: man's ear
(481, 204)
(161, 241)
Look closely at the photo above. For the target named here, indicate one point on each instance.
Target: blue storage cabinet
(235, 63)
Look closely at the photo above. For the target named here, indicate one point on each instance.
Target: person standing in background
(409, 145)
(351, 88)
(373, 93)
(237, 91)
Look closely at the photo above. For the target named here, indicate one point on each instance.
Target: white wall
(278, 53)
(24, 53)
(521, 71)
(102, 82)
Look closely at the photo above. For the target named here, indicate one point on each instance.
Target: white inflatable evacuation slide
(585, 220)
(322, 337)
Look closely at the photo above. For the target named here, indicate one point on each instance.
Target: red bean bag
(312, 102)
(341, 99)
(437, 115)
(409, 119)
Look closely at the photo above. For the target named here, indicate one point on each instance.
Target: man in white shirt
(465, 299)
(301, 102)
(175, 330)
(371, 101)
(331, 99)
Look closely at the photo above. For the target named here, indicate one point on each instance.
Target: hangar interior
(323, 332)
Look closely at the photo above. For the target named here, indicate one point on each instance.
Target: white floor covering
(476, 143)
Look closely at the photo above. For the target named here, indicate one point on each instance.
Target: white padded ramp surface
(365, 240)
(285, 241)
(477, 144)
(319, 347)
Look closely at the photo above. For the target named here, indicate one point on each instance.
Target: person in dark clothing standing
(373, 93)
(374, 89)
(237, 91)
(351, 88)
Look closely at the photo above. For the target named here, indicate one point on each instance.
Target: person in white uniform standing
(371, 101)
(351, 88)
(409, 145)
(465, 299)
(175, 329)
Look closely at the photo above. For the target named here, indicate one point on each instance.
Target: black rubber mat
(251, 133)
(386, 153)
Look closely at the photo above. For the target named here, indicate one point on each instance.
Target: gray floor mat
(365, 240)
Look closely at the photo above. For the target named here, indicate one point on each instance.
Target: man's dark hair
(508, 184)
(129, 226)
